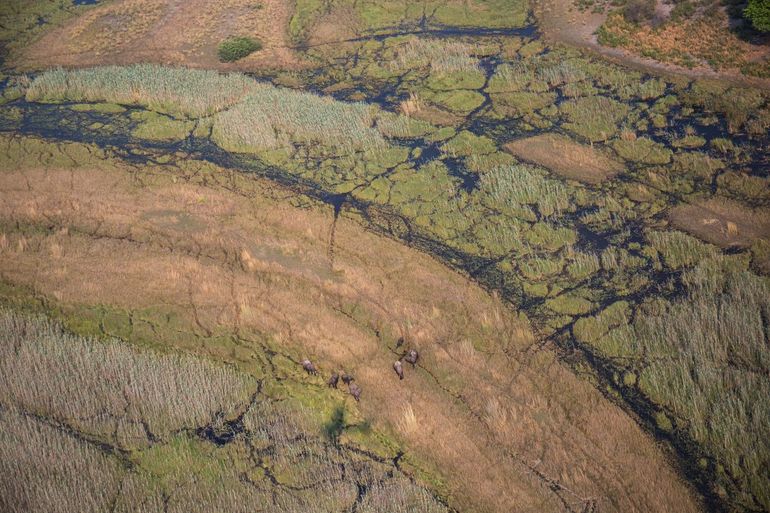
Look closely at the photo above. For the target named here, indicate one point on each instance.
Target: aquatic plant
(440, 55)
(48, 371)
(271, 117)
(679, 249)
(708, 362)
(595, 118)
(47, 469)
(583, 265)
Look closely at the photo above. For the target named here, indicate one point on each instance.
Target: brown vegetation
(214, 251)
(702, 40)
(565, 157)
(564, 22)
(724, 222)
(181, 32)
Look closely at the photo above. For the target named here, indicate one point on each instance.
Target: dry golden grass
(724, 222)
(699, 39)
(411, 106)
(228, 258)
(563, 22)
(182, 32)
(565, 157)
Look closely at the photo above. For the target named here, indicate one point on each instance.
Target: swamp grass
(708, 362)
(269, 118)
(278, 456)
(519, 186)
(46, 470)
(48, 371)
(177, 91)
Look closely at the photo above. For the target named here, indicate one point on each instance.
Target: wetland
(579, 250)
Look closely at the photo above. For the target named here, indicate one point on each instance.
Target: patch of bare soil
(565, 157)
(561, 21)
(339, 25)
(726, 223)
(172, 32)
(509, 426)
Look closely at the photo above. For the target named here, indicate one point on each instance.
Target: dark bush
(638, 11)
(235, 48)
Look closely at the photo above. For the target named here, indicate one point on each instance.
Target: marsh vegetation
(554, 178)
(90, 425)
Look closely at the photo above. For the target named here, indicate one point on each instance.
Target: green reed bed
(708, 361)
(519, 186)
(441, 56)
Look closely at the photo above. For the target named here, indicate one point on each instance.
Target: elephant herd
(410, 356)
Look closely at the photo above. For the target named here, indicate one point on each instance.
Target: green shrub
(758, 13)
(236, 48)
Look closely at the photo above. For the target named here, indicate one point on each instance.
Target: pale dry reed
(109, 387)
(179, 91)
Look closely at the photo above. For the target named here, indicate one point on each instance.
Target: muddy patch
(723, 222)
(565, 157)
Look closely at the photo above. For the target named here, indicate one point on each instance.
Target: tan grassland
(565, 157)
(510, 427)
(174, 32)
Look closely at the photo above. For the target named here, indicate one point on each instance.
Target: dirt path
(560, 21)
(510, 427)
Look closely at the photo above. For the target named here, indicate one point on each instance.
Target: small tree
(758, 12)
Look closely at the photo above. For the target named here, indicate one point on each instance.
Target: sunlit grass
(270, 117)
(108, 387)
(176, 91)
(439, 55)
(709, 363)
(519, 185)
